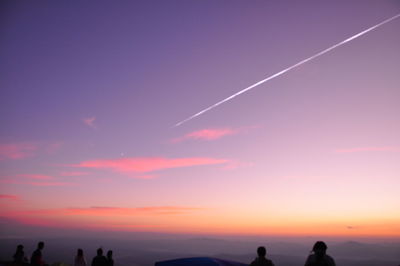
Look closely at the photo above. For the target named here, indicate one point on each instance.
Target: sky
(91, 93)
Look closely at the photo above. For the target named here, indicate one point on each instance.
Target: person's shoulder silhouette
(99, 260)
(37, 259)
(319, 256)
(261, 260)
(110, 260)
(80, 258)
(19, 256)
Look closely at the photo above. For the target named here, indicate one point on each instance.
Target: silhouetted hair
(80, 252)
(40, 245)
(99, 251)
(261, 251)
(19, 254)
(20, 248)
(319, 245)
(109, 254)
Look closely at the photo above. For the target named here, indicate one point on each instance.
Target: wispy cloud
(143, 165)
(210, 134)
(117, 211)
(104, 218)
(206, 134)
(9, 197)
(100, 225)
(36, 180)
(51, 184)
(15, 219)
(73, 173)
(36, 183)
(110, 211)
(36, 176)
(17, 151)
(369, 149)
(89, 121)
(21, 150)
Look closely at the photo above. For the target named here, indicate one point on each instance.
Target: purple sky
(90, 92)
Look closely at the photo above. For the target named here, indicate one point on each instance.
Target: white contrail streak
(288, 69)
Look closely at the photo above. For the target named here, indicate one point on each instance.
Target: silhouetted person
(110, 261)
(19, 256)
(37, 258)
(261, 260)
(99, 260)
(80, 259)
(319, 256)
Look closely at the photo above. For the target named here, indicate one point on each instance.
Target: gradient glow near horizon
(89, 93)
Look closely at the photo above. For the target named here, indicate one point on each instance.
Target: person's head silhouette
(40, 245)
(80, 252)
(109, 254)
(320, 248)
(99, 252)
(261, 251)
(19, 254)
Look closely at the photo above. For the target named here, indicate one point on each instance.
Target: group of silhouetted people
(100, 260)
(317, 258)
(19, 257)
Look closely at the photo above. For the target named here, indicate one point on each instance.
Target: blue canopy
(202, 261)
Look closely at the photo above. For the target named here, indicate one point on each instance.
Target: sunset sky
(91, 91)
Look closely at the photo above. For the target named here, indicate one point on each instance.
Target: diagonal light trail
(288, 69)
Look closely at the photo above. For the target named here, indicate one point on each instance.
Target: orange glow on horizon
(191, 220)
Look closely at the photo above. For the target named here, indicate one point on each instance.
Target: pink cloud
(116, 211)
(207, 134)
(16, 150)
(36, 183)
(74, 173)
(143, 165)
(72, 217)
(210, 134)
(36, 180)
(122, 226)
(32, 221)
(90, 121)
(9, 197)
(146, 176)
(56, 222)
(51, 184)
(37, 177)
(368, 149)
(108, 211)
